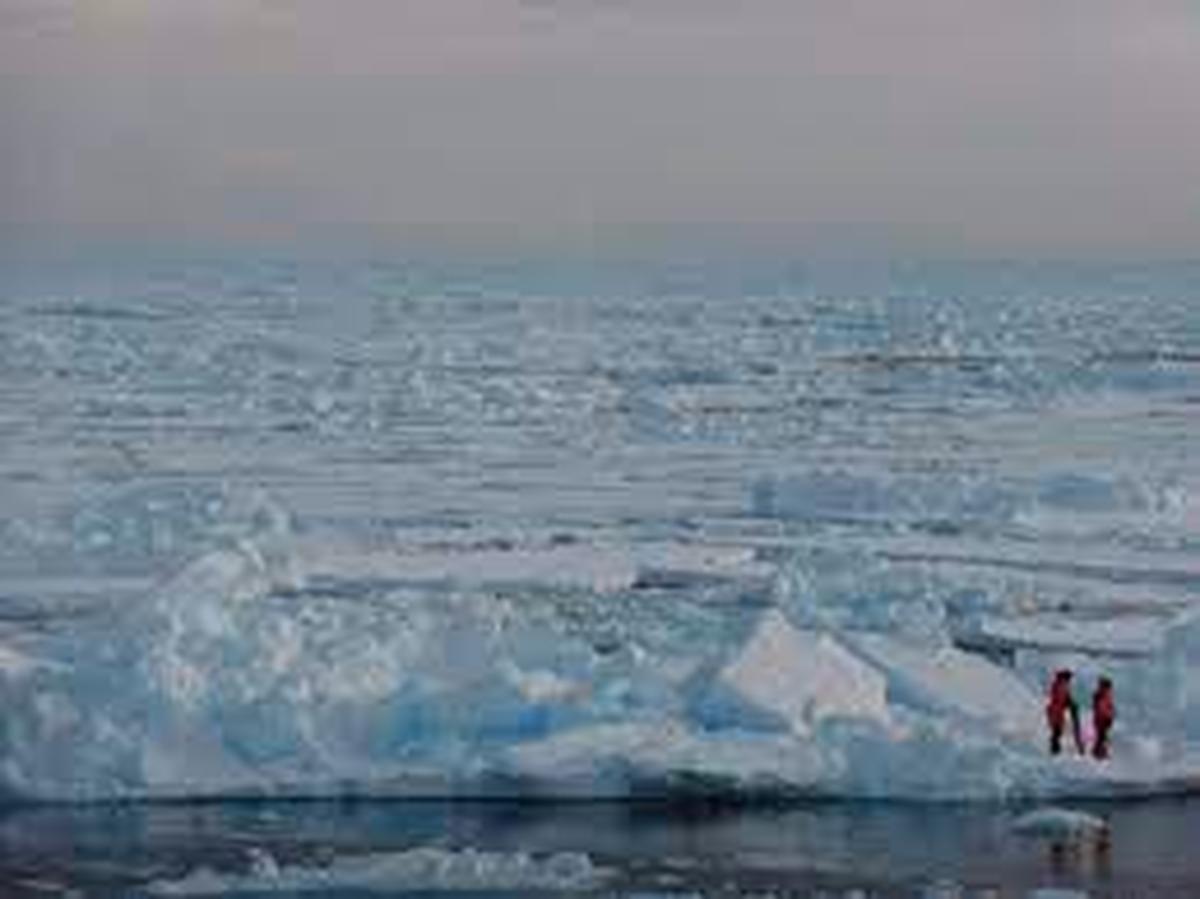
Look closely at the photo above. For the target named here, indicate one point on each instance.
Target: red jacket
(1059, 703)
(1104, 712)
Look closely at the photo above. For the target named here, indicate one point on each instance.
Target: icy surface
(948, 682)
(803, 676)
(1059, 822)
(408, 528)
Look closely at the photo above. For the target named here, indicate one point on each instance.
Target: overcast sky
(1043, 126)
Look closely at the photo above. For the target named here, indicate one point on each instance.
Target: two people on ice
(1061, 706)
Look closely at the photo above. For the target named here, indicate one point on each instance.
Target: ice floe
(1059, 822)
(226, 681)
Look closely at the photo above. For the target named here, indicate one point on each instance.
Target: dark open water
(831, 849)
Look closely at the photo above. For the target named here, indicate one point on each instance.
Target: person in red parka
(1059, 705)
(1104, 712)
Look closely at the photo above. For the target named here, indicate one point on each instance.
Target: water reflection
(1087, 857)
(884, 849)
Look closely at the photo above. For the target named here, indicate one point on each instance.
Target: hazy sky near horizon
(972, 125)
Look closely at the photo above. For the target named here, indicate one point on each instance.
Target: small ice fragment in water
(943, 889)
(1059, 822)
(262, 863)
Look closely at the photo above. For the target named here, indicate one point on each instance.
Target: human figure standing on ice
(1104, 712)
(1061, 704)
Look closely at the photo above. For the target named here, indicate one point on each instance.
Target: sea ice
(944, 680)
(1059, 822)
(223, 682)
(804, 676)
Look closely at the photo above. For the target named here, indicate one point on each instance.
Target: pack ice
(233, 678)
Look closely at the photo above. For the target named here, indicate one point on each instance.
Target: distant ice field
(562, 529)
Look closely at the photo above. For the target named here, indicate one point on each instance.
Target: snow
(633, 759)
(424, 868)
(804, 676)
(947, 681)
(222, 685)
(1052, 496)
(501, 562)
(15, 664)
(1179, 673)
(601, 569)
(1129, 635)
(406, 533)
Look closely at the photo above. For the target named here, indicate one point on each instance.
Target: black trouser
(1056, 734)
(1100, 746)
(1056, 740)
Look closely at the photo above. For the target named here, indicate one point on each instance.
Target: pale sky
(983, 126)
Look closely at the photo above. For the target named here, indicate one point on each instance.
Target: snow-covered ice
(421, 530)
(223, 684)
(803, 676)
(226, 686)
(949, 682)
